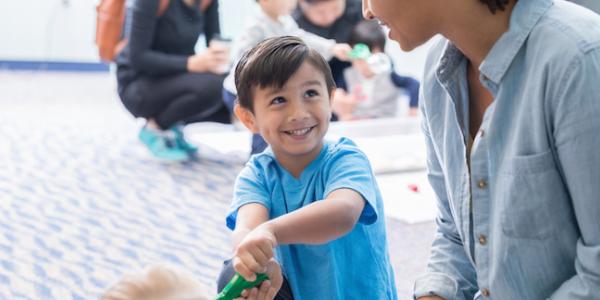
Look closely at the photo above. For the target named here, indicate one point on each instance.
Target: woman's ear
(246, 117)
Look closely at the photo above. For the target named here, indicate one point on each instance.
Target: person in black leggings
(162, 79)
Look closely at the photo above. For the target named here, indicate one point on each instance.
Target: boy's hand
(340, 51)
(254, 252)
(269, 288)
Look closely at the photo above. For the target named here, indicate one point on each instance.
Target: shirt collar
(525, 15)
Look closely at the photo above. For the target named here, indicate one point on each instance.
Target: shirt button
(482, 240)
(485, 292)
(481, 132)
(482, 184)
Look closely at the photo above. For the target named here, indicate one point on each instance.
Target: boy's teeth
(299, 131)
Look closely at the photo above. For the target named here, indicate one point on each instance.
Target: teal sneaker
(180, 141)
(161, 146)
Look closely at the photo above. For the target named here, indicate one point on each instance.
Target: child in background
(271, 20)
(305, 207)
(370, 94)
(157, 283)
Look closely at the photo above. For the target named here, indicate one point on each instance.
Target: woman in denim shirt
(511, 115)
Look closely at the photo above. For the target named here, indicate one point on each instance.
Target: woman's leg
(173, 99)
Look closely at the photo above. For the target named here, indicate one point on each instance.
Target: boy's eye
(311, 93)
(278, 100)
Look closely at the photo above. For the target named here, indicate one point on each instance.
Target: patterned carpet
(82, 203)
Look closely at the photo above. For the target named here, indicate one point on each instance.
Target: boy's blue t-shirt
(355, 266)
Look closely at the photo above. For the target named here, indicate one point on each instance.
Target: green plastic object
(237, 284)
(360, 51)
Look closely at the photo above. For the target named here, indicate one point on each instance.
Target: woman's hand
(340, 51)
(213, 60)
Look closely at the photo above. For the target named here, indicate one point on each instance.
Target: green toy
(237, 284)
(360, 51)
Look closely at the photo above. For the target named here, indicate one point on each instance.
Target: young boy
(271, 20)
(372, 94)
(308, 205)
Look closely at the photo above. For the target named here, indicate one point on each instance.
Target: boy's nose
(298, 113)
(366, 10)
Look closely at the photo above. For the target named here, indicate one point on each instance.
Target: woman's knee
(207, 85)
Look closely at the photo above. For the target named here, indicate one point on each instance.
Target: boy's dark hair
(271, 63)
(368, 32)
(495, 5)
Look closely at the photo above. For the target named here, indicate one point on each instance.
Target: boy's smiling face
(295, 118)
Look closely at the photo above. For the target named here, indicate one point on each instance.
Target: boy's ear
(246, 116)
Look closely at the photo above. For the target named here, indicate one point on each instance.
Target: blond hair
(157, 283)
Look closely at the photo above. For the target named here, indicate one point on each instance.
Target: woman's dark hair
(271, 63)
(368, 32)
(495, 5)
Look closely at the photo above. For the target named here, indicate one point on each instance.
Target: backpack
(110, 21)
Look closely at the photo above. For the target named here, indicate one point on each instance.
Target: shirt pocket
(533, 199)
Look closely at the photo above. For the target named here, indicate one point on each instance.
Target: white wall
(64, 30)
(53, 30)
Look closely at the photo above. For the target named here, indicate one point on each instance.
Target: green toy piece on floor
(237, 284)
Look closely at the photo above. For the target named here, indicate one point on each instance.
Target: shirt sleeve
(212, 26)
(252, 34)
(350, 169)
(450, 273)
(143, 27)
(577, 123)
(320, 44)
(250, 187)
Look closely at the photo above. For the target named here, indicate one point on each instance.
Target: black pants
(285, 293)
(186, 97)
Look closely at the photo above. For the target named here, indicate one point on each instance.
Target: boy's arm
(321, 221)
(249, 217)
(253, 34)
(327, 48)
(317, 223)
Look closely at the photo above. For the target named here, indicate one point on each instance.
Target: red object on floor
(413, 187)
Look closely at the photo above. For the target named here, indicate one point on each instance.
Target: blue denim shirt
(524, 221)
